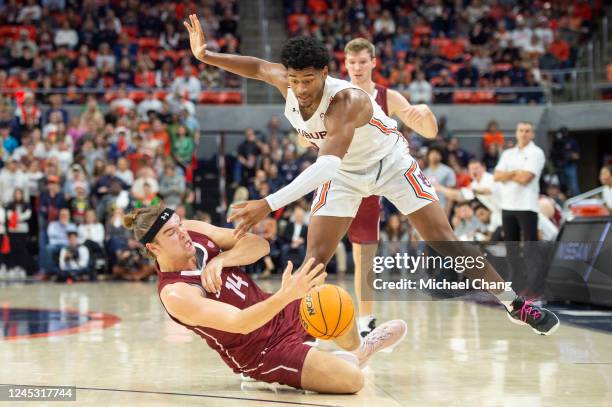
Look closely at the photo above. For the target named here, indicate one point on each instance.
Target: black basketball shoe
(541, 320)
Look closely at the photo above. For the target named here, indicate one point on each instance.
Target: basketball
(327, 312)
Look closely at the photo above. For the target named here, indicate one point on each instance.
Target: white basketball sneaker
(386, 336)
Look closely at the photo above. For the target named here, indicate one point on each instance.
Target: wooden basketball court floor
(456, 353)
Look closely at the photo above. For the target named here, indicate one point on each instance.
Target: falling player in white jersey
(360, 154)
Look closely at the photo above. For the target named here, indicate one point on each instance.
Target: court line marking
(183, 394)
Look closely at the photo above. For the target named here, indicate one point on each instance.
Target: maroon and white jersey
(242, 353)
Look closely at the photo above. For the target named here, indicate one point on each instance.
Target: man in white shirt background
(518, 172)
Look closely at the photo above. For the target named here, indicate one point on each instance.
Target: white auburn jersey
(371, 142)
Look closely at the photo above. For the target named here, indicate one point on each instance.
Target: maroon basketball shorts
(364, 229)
(283, 358)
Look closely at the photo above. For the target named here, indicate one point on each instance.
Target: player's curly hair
(304, 52)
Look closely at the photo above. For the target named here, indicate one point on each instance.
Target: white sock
(506, 298)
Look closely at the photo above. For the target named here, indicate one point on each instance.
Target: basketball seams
(304, 316)
(322, 313)
(348, 324)
(339, 311)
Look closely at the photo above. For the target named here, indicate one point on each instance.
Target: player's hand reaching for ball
(295, 286)
(247, 214)
(197, 40)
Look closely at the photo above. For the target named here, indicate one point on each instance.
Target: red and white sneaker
(386, 336)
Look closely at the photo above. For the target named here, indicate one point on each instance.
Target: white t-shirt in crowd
(515, 196)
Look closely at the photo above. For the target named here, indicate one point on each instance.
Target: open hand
(247, 214)
(297, 285)
(197, 40)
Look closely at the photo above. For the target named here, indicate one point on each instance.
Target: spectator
(248, 151)
(117, 237)
(56, 106)
(521, 35)
(149, 103)
(74, 258)
(123, 103)
(187, 85)
(228, 24)
(293, 238)
(267, 229)
(394, 238)
(444, 94)
(565, 156)
(468, 75)
(169, 38)
(439, 173)
(148, 198)
(31, 11)
(384, 23)
(454, 149)
(124, 173)
(18, 216)
(560, 49)
(57, 231)
(420, 90)
(183, 146)
(493, 136)
(66, 36)
(23, 42)
(116, 198)
(12, 177)
(105, 60)
(171, 186)
(80, 204)
(490, 229)
(91, 230)
(464, 222)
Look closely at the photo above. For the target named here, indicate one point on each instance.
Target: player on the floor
(361, 153)
(202, 287)
(360, 62)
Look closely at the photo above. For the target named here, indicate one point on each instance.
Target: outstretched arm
(350, 109)
(186, 303)
(418, 117)
(246, 66)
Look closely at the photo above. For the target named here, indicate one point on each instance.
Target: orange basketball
(327, 312)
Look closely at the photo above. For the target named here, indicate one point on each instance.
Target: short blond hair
(359, 44)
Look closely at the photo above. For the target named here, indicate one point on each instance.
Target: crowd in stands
(91, 46)
(66, 180)
(454, 51)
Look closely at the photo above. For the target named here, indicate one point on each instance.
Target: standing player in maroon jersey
(360, 61)
(202, 287)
